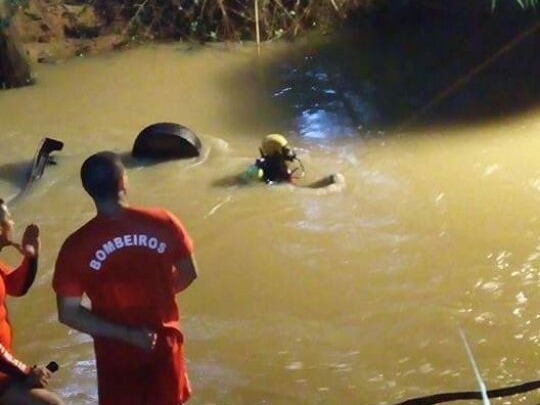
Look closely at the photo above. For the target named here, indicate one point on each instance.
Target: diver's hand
(30, 243)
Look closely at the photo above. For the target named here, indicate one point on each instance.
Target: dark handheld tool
(52, 366)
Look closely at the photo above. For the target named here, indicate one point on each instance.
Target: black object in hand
(52, 366)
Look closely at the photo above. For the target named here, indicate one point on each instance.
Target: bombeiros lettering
(123, 241)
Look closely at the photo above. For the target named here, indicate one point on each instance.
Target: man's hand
(76, 316)
(30, 243)
(38, 378)
(142, 338)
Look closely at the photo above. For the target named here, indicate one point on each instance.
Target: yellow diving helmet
(276, 144)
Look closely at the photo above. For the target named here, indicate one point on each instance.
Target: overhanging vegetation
(209, 20)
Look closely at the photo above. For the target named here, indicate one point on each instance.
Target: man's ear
(123, 183)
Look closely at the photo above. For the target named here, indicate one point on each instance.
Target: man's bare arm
(19, 281)
(74, 315)
(185, 273)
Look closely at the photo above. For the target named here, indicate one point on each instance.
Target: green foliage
(211, 20)
(524, 4)
(6, 13)
(14, 4)
(528, 3)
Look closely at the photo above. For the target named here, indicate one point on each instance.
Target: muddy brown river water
(342, 296)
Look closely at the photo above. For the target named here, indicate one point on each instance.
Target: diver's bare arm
(74, 315)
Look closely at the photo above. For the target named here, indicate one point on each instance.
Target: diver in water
(276, 161)
(279, 163)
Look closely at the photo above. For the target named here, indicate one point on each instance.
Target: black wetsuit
(274, 169)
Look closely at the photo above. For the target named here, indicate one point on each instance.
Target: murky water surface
(340, 296)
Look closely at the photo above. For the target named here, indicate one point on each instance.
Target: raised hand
(30, 243)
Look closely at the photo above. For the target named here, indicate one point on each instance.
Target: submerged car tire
(166, 140)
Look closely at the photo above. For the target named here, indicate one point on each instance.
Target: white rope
(481, 383)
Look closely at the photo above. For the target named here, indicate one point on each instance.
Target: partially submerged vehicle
(42, 158)
(166, 140)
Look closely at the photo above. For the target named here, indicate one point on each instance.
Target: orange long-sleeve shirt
(14, 282)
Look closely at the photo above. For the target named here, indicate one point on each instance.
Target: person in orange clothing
(19, 383)
(130, 262)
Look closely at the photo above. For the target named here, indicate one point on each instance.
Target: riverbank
(50, 32)
(54, 31)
